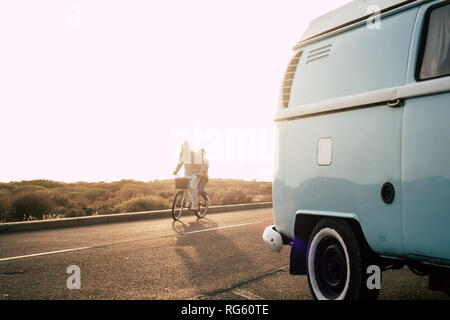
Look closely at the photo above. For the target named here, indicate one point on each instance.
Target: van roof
(348, 14)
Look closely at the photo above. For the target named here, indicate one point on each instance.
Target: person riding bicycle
(192, 167)
(203, 176)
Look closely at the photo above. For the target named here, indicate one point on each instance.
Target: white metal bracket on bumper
(272, 238)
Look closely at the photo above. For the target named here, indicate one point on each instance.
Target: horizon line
(125, 179)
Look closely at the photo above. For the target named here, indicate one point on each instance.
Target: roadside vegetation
(46, 199)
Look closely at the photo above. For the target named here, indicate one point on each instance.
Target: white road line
(83, 248)
(247, 295)
(210, 229)
(42, 254)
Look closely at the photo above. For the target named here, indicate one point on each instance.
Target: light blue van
(362, 159)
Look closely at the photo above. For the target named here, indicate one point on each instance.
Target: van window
(436, 45)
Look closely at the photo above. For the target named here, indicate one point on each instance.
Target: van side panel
(426, 176)
(281, 216)
(426, 166)
(355, 61)
(366, 146)
(366, 143)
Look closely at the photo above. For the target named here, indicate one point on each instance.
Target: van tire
(337, 260)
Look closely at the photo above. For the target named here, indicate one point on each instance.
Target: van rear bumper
(272, 238)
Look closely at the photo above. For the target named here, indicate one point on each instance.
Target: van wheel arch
(304, 226)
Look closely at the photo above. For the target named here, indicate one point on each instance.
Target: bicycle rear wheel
(178, 205)
(202, 207)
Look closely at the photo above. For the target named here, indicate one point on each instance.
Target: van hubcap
(330, 267)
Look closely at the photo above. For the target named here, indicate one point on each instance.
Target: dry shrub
(234, 196)
(97, 194)
(31, 206)
(146, 203)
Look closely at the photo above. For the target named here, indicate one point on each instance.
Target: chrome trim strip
(374, 98)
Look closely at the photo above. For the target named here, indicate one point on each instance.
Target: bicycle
(182, 200)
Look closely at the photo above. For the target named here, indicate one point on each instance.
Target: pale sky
(107, 90)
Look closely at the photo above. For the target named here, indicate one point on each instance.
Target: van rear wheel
(337, 260)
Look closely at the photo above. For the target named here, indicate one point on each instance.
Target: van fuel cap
(387, 192)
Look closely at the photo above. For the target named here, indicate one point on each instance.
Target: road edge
(11, 227)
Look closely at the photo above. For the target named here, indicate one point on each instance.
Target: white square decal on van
(324, 151)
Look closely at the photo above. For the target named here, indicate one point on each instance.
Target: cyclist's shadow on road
(211, 259)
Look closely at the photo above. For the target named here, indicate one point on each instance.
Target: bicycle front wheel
(202, 207)
(178, 205)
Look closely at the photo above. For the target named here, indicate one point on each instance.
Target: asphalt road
(219, 257)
